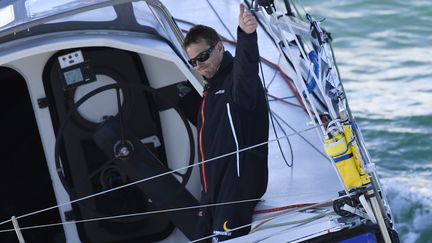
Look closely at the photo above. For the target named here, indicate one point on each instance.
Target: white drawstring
(235, 138)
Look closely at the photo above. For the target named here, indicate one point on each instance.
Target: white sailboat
(99, 146)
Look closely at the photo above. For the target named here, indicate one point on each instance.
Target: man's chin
(208, 75)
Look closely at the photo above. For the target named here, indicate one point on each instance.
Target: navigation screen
(73, 76)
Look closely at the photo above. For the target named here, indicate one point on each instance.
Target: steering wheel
(123, 148)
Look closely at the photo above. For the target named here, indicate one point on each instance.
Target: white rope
(156, 176)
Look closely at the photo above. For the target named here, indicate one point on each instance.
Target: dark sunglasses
(202, 57)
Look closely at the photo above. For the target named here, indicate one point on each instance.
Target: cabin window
(37, 8)
(6, 15)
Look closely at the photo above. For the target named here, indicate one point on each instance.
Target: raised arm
(246, 81)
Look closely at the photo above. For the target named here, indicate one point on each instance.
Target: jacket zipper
(203, 175)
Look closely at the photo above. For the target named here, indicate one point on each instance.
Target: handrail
(157, 4)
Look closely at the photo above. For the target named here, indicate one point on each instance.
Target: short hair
(201, 32)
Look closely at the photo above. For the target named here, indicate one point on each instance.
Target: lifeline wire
(263, 220)
(156, 176)
(131, 215)
(164, 211)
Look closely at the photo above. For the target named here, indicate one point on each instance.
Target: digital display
(73, 76)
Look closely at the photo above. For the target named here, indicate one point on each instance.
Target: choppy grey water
(383, 49)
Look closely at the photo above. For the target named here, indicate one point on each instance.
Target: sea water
(384, 53)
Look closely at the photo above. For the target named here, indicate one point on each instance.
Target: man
(233, 115)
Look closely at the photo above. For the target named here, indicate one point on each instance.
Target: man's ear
(220, 47)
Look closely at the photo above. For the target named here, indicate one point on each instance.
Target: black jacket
(234, 115)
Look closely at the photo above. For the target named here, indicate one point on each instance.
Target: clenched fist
(247, 21)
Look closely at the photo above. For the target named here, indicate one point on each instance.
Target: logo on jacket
(221, 91)
(225, 226)
(226, 231)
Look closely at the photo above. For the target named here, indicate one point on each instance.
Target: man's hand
(247, 21)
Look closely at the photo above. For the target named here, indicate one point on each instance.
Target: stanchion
(17, 230)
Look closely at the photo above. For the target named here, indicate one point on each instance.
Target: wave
(410, 199)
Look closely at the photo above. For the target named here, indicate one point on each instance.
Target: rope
(275, 72)
(306, 220)
(271, 218)
(272, 122)
(275, 98)
(220, 20)
(294, 3)
(272, 210)
(289, 142)
(307, 141)
(156, 176)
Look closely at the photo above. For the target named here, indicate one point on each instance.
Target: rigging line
(271, 117)
(185, 22)
(307, 141)
(284, 100)
(334, 61)
(289, 142)
(271, 218)
(275, 72)
(220, 19)
(285, 97)
(295, 3)
(157, 176)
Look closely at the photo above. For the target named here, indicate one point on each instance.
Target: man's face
(199, 51)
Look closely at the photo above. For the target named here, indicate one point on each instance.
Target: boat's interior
(114, 101)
